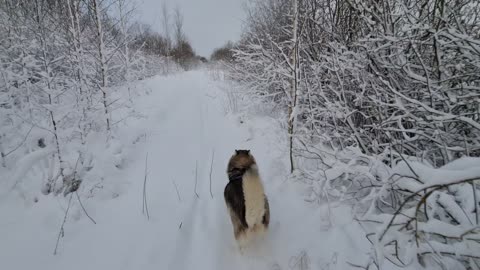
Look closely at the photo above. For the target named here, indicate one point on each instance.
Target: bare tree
(102, 56)
(294, 91)
(47, 42)
(123, 17)
(73, 29)
(166, 29)
(178, 26)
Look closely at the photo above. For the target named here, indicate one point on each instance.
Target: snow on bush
(63, 65)
(386, 106)
(413, 213)
(427, 214)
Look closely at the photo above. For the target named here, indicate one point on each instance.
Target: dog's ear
(248, 151)
(237, 151)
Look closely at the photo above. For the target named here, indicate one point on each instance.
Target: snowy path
(185, 123)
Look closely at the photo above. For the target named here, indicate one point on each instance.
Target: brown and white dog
(245, 198)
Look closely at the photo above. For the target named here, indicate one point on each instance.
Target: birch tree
(48, 42)
(101, 58)
(74, 32)
(178, 25)
(270, 62)
(166, 31)
(294, 92)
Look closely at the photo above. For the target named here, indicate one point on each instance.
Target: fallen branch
(85, 211)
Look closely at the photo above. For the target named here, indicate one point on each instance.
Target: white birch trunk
(79, 68)
(294, 83)
(49, 79)
(103, 64)
(123, 29)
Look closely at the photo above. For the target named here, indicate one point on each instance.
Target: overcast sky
(208, 24)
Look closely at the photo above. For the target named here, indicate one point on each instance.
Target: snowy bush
(429, 216)
(61, 64)
(371, 88)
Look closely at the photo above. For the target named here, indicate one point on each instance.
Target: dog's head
(241, 159)
(242, 152)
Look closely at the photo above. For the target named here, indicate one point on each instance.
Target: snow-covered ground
(185, 123)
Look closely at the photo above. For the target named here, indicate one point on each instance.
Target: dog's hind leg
(239, 231)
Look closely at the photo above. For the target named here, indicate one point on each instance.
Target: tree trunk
(79, 67)
(123, 29)
(103, 63)
(294, 84)
(49, 79)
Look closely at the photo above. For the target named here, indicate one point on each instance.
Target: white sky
(208, 24)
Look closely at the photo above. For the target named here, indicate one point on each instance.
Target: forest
(371, 106)
(392, 82)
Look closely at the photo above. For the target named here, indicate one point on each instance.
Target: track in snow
(185, 123)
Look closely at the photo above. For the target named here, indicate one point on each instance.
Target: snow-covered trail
(185, 125)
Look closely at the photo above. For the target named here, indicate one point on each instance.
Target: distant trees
(180, 36)
(224, 53)
(179, 48)
(184, 55)
(182, 52)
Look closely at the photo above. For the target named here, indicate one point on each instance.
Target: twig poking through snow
(145, 204)
(301, 262)
(176, 188)
(408, 164)
(84, 210)
(18, 146)
(475, 202)
(62, 232)
(211, 166)
(196, 178)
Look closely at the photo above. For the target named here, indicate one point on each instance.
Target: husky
(245, 198)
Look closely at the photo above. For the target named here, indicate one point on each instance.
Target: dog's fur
(245, 198)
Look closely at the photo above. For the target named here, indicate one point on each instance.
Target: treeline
(60, 64)
(224, 53)
(172, 43)
(398, 80)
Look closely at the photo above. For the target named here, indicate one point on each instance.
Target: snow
(460, 169)
(183, 122)
(24, 165)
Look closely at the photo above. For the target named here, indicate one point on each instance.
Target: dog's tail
(254, 195)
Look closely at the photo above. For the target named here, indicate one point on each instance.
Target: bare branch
(61, 233)
(211, 167)
(145, 203)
